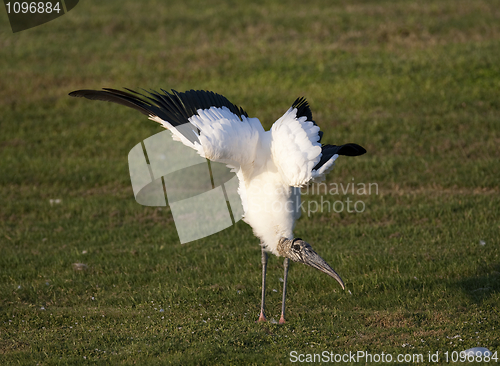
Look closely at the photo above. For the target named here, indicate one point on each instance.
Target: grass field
(417, 83)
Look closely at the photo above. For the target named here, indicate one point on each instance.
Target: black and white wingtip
(175, 108)
(303, 110)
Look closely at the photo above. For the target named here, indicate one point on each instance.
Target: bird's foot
(282, 319)
(262, 317)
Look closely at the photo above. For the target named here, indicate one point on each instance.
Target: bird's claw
(262, 317)
(282, 320)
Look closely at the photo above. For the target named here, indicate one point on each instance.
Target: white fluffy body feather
(271, 165)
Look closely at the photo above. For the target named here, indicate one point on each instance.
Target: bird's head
(300, 251)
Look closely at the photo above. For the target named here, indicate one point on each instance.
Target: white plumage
(268, 164)
(271, 165)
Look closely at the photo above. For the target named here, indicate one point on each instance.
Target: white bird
(271, 165)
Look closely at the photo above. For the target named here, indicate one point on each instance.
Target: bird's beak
(312, 259)
(299, 250)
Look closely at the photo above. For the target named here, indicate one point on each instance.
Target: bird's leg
(262, 317)
(285, 265)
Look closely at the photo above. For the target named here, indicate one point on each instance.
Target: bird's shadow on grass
(481, 287)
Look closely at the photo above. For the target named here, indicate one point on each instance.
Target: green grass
(416, 83)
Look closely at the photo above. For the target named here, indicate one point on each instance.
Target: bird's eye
(296, 247)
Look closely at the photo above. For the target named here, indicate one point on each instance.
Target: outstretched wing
(202, 120)
(297, 149)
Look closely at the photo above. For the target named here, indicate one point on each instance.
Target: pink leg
(285, 265)
(262, 316)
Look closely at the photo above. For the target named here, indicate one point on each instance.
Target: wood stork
(271, 165)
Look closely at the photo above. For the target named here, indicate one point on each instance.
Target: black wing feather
(107, 96)
(174, 108)
(327, 151)
(303, 109)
